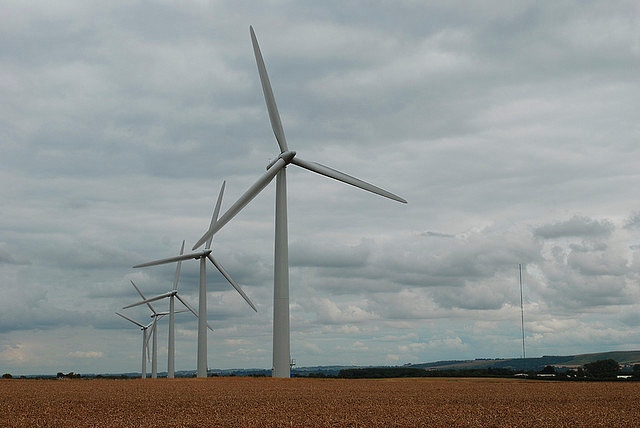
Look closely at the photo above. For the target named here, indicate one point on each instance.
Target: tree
(636, 371)
(7, 376)
(602, 369)
(548, 370)
(69, 375)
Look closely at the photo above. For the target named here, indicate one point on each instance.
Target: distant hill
(622, 357)
(537, 363)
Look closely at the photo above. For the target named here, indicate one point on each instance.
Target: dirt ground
(266, 402)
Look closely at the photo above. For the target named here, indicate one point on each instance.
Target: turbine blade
(251, 193)
(142, 295)
(194, 255)
(151, 299)
(274, 116)
(340, 176)
(232, 282)
(192, 310)
(176, 278)
(188, 306)
(129, 319)
(149, 337)
(137, 289)
(216, 211)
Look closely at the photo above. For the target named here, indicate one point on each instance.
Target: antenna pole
(524, 355)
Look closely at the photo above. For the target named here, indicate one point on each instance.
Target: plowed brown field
(266, 402)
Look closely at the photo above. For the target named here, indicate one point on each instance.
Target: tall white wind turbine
(145, 344)
(281, 333)
(203, 255)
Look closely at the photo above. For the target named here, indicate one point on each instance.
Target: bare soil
(266, 402)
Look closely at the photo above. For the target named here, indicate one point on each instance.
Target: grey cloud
(330, 312)
(585, 280)
(631, 319)
(437, 235)
(327, 255)
(407, 304)
(451, 262)
(577, 226)
(34, 312)
(578, 293)
(633, 222)
(598, 263)
(474, 296)
(8, 257)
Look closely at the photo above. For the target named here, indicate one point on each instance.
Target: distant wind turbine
(203, 255)
(145, 344)
(277, 168)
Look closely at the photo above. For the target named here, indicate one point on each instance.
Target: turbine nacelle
(286, 156)
(159, 315)
(203, 253)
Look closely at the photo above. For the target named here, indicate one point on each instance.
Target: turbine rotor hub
(287, 157)
(203, 253)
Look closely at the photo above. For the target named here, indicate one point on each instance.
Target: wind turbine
(145, 342)
(277, 168)
(171, 295)
(203, 255)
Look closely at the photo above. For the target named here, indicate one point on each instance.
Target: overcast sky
(511, 128)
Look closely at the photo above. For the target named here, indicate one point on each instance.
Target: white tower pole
(144, 356)
(202, 320)
(172, 352)
(524, 354)
(154, 351)
(171, 358)
(281, 328)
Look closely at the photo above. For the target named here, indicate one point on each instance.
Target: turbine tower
(524, 354)
(277, 168)
(203, 255)
(145, 343)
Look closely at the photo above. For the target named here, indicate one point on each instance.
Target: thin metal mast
(524, 355)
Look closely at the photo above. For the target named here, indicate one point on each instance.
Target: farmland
(267, 402)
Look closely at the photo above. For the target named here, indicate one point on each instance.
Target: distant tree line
(602, 369)
(598, 370)
(404, 372)
(70, 375)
